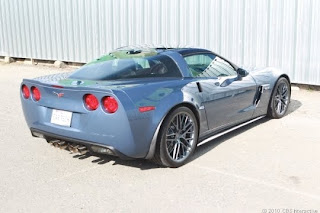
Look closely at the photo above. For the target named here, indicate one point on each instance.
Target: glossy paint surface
(219, 104)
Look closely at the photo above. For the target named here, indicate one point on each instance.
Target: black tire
(173, 137)
(279, 99)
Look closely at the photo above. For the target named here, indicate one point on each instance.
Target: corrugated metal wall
(281, 33)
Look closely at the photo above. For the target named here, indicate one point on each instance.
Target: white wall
(281, 33)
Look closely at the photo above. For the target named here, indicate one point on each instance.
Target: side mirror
(242, 72)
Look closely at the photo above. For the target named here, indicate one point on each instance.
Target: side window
(209, 66)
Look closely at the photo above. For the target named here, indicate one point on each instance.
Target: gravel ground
(271, 164)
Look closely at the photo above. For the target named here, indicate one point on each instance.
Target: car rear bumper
(89, 144)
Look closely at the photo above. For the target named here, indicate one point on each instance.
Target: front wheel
(280, 99)
(177, 139)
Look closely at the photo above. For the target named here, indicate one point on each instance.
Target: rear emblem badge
(59, 94)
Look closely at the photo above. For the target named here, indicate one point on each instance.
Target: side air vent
(258, 96)
(261, 89)
(199, 86)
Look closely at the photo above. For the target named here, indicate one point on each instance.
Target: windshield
(116, 69)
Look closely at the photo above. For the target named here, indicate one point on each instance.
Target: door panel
(228, 101)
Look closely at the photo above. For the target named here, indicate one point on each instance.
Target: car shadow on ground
(115, 161)
(201, 150)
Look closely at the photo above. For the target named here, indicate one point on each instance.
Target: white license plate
(61, 117)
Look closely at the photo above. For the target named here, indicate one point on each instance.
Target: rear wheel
(280, 99)
(177, 139)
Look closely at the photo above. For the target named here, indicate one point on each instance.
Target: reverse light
(101, 150)
(110, 104)
(91, 102)
(146, 108)
(36, 95)
(25, 91)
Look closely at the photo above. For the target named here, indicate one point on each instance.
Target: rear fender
(167, 105)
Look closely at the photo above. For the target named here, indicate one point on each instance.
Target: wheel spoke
(187, 129)
(185, 143)
(279, 90)
(171, 140)
(182, 117)
(183, 149)
(278, 106)
(171, 148)
(180, 136)
(171, 134)
(171, 129)
(282, 106)
(177, 152)
(174, 150)
(181, 121)
(185, 122)
(188, 139)
(284, 93)
(284, 88)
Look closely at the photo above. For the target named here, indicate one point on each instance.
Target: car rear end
(82, 118)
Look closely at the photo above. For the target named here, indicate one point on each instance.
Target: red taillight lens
(57, 86)
(110, 104)
(146, 108)
(25, 91)
(91, 102)
(35, 93)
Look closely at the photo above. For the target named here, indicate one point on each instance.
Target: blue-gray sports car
(153, 103)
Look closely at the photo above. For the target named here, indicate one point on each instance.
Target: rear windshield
(116, 69)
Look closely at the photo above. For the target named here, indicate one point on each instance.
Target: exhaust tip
(62, 144)
(54, 143)
(73, 148)
(83, 150)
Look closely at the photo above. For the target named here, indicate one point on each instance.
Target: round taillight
(91, 102)
(36, 95)
(25, 91)
(110, 104)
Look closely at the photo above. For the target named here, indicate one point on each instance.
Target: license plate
(61, 117)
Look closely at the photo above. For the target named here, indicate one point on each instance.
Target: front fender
(266, 76)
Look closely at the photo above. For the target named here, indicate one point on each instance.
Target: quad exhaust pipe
(83, 150)
(78, 148)
(62, 144)
(71, 147)
(54, 143)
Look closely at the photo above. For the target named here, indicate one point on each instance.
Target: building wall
(280, 33)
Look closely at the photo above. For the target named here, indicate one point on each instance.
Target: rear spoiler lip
(77, 88)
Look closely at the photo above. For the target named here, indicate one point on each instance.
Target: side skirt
(229, 130)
